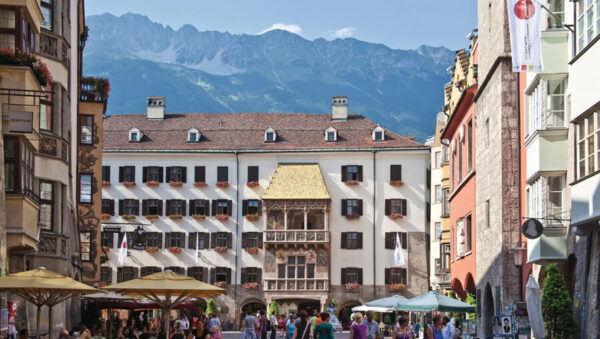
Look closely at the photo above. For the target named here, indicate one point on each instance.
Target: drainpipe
(237, 238)
(519, 173)
(374, 225)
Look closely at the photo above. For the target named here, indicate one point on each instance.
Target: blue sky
(403, 24)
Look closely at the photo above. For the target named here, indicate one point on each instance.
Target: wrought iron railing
(296, 285)
(296, 236)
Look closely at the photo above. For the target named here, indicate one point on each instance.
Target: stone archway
(470, 284)
(344, 312)
(458, 288)
(488, 311)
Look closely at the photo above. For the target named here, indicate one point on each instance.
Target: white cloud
(290, 28)
(342, 33)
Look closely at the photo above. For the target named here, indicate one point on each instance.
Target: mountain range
(277, 71)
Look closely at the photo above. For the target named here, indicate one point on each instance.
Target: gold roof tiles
(297, 181)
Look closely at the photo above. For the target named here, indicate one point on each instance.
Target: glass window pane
(47, 13)
(300, 272)
(291, 260)
(301, 260)
(291, 272)
(85, 187)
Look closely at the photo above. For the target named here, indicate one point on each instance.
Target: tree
(211, 307)
(471, 300)
(273, 307)
(557, 307)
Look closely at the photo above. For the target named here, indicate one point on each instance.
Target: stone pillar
(285, 223)
(305, 218)
(326, 220)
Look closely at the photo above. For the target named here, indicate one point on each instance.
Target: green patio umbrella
(434, 301)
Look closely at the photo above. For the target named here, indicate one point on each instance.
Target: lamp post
(518, 256)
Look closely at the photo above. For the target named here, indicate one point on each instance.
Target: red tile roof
(245, 131)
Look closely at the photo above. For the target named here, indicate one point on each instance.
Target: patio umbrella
(434, 301)
(388, 302)
(175, 288)
(109, 298)
(365, 308)
(43, 287)
(534, 308)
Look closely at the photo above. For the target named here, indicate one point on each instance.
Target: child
(216, 333)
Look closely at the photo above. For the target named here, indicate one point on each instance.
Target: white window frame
(270, 131)
(327, 133)
(377, 130)
(588, 22)
(135, 135)
(194, 132)
(540, 114)
(587, 133)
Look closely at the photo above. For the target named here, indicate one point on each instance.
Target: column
(326, 220)
(305, 218)
(285, 221)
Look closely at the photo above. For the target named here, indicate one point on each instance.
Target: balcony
(542, 143)
(550, 247)
(33, 9)
(94, 90)
(53, 46)
(22, 221)
(296, 237)
(295, 285)
(54, 146)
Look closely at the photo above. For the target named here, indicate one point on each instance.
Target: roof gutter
(310, 150)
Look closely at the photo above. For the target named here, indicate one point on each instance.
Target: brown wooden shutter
(206, 207)
(243, 275)
(206, 240)
(252, 173)
(192, 240)
(244, 240)
(112, 207)
(244, 207)
(360, 240)
(260, 239)
(403, 277)
(360, 173)
(144, 206)
(344, 240)
(228, 272)
(344, 207)
(213, 275)
(388, 207)
(121, 174)
(168, 174)
(200, 174)
(192, 207)
(161, 174)
(205, 275)
(387, 276)
(260, 207)
(159, 207)
(167, 239)
(168, 207)
(360, 210)
(404, 212)
(160, 240)
(229, 207)
(213, 240)
(229, 240)
(343, 280)
(404, 240)
(360, 275)
(137, 207)
(214, 207)
(259, 275)
(144, 174)
(184, 174)
(344, 173)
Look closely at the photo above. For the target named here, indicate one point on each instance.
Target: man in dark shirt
(145, 334)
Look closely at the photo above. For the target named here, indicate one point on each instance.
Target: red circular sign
(524, 9)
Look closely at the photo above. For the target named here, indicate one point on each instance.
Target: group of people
(292, 326)
(440, 327)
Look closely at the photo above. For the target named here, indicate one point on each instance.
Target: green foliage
(91, 314)
(211, 306)
(273, 307)
(334, 302)
(471, 300)
(557, 307)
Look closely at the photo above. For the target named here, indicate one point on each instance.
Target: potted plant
(252, 217)
(128, 217)
(151, 249)
(105, 216)
(351, 182)
(128, 183)
(352, 216)
(397, 287)
(396, 216)
(152, 183)
(352, 287)
(200, 184)
(20, 58)
(175, 183)
(105, 183)
(221, 249)
(199, 216)
(250, 285)
(222, 217)
(222, 184)
(252, 184)
(102, 284)
(396, 183)
(175, 216)
(221, 284)
(175, 250)
(252, 250)
(152, 216)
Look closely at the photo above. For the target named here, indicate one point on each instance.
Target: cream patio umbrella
(43, 287)
(167, 289)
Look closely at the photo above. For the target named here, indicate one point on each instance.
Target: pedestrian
(290, 325)
(302, 328)
(323, 329)
(248, 325)
(262, 325)
(449, 330)
(84, 333)
(201, 331)
(313, 319)
(23, 334)
(185, 325)
(216, 333)
(358, 330)
(281, 324)
(64, 334)
(274, 324)
(435, 331)
(402, 330)
(214, 321)
(145, 334)
(372, 326)
(11, 331)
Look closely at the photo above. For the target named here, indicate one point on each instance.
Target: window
(45, 115)
(445, 202)
(549, 94)
(438, 193)
(351, 173)
(487, 213)
(176, 174)
(106, 274)
(351, 207)
(85, 188)
(378, 134)
(176, 269)
(395, 207)
(469, 146)
(395, 172)
(221, 207)
(554, 207)
(221, 239)
(199, 174)
(352, 275)
(460, 160)
(251, 239)
(445, 256)
(555, 103)
(352, 240)
(252, 173)
(46, 205)
(587, 130)
(557, 8)
(152, 174)
(147, 270)
(270, 136)
(126, 273)
(587, 27)
(106, 174)
(85, 239)
(452, 165)
(127, 174)
(135, 135)
(251, 207)
(221, 274)
(331, 136)
(222, 174)
(152, 207)
(175, 207)
(107, 239)
(251, 275)
(129, 207)
(438, 231)
(18, 166)
(198, 273)
(203, 240)
(446, 153)
(438, 159)
(193, 135)
(108, 206)
(154, 239)
(86, 124)
(390, 240)
(175, 239)
(47, 12)
(468, 234)
(428, 178)
(296, 267)
(199, 207)
(395, 275)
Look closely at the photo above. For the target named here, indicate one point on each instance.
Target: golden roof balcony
(296, 285)
(296, 238)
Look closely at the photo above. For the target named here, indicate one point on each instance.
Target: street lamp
(518, 256)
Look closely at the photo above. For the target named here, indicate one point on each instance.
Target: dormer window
(378, 134)
(270, 135)
(194, 135)
(135, 135)
(331, 134)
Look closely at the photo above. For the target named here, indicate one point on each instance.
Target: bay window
(85, 188)
(546, 199)
(46, 204)
(587, 132)
(546, 103)
(47, 12)
(588, 22)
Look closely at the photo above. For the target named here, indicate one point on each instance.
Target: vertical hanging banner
(524, 19)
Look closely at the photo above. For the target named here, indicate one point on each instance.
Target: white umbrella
(534, 308)
(365, 308)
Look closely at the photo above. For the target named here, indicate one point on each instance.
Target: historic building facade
(297, 208)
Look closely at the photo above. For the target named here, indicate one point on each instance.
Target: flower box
(19, 58)
(351, 182)
(128, 183)
(396, 216)
(352, 216)
(175, 250)
(200, 184)
(128, 217)
(221, 250)
(106, 249)
(175, 183)
(199, 216)
(252, 184)
(151, 249)
(397, 287)
(396, 183)
(222, 184)
(221, 284)
(352, 287)
(106, 184)
(152, 183)
(222, 217)
(102, 284)
(105, 216)
(250, 286)
(252, 217)
(152, 217)
(252, 250)
(176, 217)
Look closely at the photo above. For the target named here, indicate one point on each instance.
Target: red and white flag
(123, 250)
(398, 256)
(524, 19)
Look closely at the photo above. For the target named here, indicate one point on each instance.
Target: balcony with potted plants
(94, 89)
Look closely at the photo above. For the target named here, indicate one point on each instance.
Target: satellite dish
(532, 228)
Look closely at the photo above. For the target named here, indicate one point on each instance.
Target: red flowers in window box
(105, 183)
(151, 249)
(351, 182)
(252, 184)
(199, 216)
(128, 183)
(222, 217)
(222, 184)
(176, 216)
(397, 287)
(175, 250)
(396, 216)
(250, 286)
(128, 217)
(221, 250)
(151, 216)
(352, 216)
(252, 250)
(102, 284)
(19, 58)
(252, 217)
(200, 184)
(106, 249)
(352, 286)
(221, 284)
(175, 183)
(105, 216)
(152, 183)
(396, 183)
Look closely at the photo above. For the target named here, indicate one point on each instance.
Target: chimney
(339, 108)
(156, 108)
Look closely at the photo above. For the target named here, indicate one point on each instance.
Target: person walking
(213, 321)
(323, 329)
(262, 327)
(358, 329)
(402, 330)
(302, 329)
(372, 327)
(248, 325)
(449, 330)
(274, 324)
(290, 325)
(435, 331)
(281, 324)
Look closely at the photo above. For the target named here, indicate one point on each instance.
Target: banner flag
(524, 19)
(398, 256)
(123, 250)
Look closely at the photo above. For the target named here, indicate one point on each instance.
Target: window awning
(296, 181)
